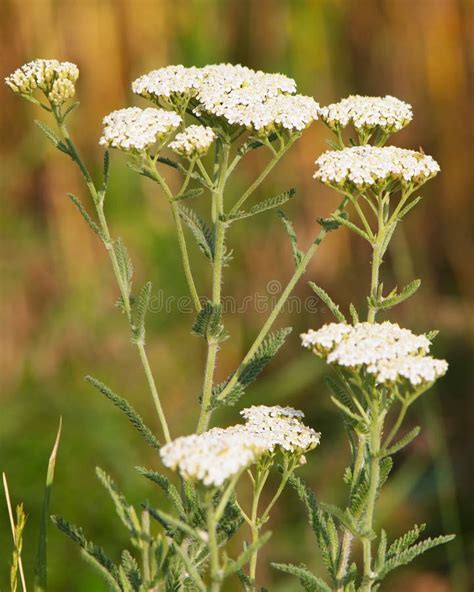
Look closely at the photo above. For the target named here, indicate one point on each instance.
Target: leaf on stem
(124, 510)
(391, 301)
(139, 313)
(407, 439)
(199, 229)
(189, 194)
(95, 554)
(128, 410)
(332, 306)
(124, 263)
(409, 554)
(129, 568)
(95, 228)
(409, 206)
(354, 314)
(297, 253)
(168, 488)
(309, 581)
(52, 137)
(263, 206)
(41, 577)
(208, 323)
(405, 541)
(235, 565)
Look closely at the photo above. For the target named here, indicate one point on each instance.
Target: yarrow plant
(203, 123)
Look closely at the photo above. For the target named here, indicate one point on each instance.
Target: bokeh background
(57, 317)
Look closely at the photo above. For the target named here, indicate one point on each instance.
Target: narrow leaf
(332, 306)
(169, 489)
(128, 410)
(41, 578)
(348, 224)
(309, 581)
(408, 555)
(297, 254)
(407, 291)
(354, 314)
(234, 566)
(266, 204)
(404, 441)
(409, 206)
(124, 262)
(139, 314)
(93, 552)
(189, 194)
(75, 200)
(199, 229)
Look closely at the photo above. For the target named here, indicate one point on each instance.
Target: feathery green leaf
(199, 229)
(129, 411)
(332, 306)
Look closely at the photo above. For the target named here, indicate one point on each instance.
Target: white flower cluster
(387, 113)
(218, 454)
(168, 82)
(56, 79)
(135, 129)
(252, 99)
(365, 166)
(383, 349)
(194, 141)
(214, 456)
(281, 427)
(416, 369)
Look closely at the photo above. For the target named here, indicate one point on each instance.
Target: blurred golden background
(57, 317)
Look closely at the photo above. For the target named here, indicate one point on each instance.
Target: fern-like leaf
(93, 552)
(124, 510)
(308, 581)
(124, 263)
(263, 206)
(297, 253)
(133, 417)
(199, 229)
(411, 553)
(168, 488)
(139, 314)
(332, 306)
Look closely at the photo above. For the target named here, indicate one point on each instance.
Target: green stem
(347, 537)
(213, 549)
(374, 480)
(255, 523)
(98, 200)
(299, 271)
(181, 238)
(258, 181)
(396, 426)
(219, 237)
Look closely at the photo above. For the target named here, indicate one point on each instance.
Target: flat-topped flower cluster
(385, 350)
(236, 94)
(388, 113)
(216, 455)
(137, 129)
(56, 79)
(194, 141)
(368, 166)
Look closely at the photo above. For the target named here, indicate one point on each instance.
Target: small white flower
(364, 343)
(238, 95)
(56, 79)
(194, 141)
(416, 369)
(365, 166)
(218, 454)
(387, 113)
(168, 82)
(214, 456)
(281, 427)
(135, 129)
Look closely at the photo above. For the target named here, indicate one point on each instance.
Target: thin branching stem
(98, 200)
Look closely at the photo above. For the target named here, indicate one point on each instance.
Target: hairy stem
(219, 237)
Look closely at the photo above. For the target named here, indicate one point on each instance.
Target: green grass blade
(41, 578)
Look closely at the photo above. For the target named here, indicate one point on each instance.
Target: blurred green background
(57, 317)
